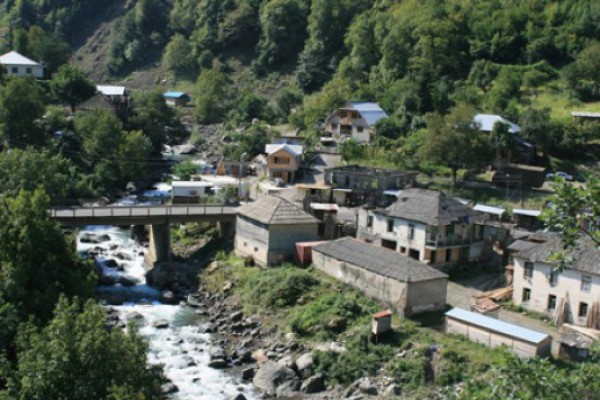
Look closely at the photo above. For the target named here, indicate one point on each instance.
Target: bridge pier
(160, 245)
(226, 229)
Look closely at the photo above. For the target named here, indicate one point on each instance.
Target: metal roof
(585, 114)
(430, 207)
(191, 184)
(528, 213)
(379, 260)
(14, 58)
(175, 95)
(324, 206)
(273, 210)
(370, 111)
(489, 209)
(108, 90)
(486, 123)
(492, 324)
(294, 149)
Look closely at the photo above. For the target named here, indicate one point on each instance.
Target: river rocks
(110, 263)
(247, 374)
(161, 324)
(391, 391)
(107, 280)
(274, 379)
(127, 281)
(93, 238)
(216, 352)
(123, 256)
(313, 384)
(169, 388)
(137, 318)
(305, 362)
(367, 387)
(194, 300)
(238, 396)
(219, 363)
(168, 297)
(236, 316)
(184, 149)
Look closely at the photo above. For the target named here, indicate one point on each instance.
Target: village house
(571, 295)
(406, 285)
(112, 92)
(525, 151)
(355, 120)
(268, 229)
(189, 192)
(283, 161)
(18, 65)
(426, 225)
(357, 185)
(177, 99)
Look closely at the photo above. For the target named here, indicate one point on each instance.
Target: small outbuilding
(177, 99)
(190, 191)
(405, 284)
(18, 65)
(269, 228)
(493, 333)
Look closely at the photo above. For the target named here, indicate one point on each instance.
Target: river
(180, 347)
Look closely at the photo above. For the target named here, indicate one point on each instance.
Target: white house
(571, 295)
(19, 65)
(426, 225)
(355, 120)
(190, 191)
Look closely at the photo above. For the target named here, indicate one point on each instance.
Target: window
(369, 221)
(583, 309)
(390, 225)
(448, 255)
(411, 231)
(15, 70)
(526, 295)
(343, 114)
(586, 283)
(334, 126)
(553, 277)
(281, 160)
(528, 271)
(28, 70)
(551, 302)
(360, 129)
(402, 249)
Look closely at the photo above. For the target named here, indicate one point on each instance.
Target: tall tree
(76, 357)
(71, 86)
(536, 126)
(454, 141)
(21, 106)
(212, 96)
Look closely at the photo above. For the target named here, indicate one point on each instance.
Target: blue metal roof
(175, 95)
(492, 324)
(370, 111)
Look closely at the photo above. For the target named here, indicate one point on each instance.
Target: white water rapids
(180, 348)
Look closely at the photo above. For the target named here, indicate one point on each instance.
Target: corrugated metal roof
(273, 210)
(294, 149)
(515, 331)
(430, 207)
(585, 114)
(379, 260)
(370, 111)
(528, 213)
(191, 184)
(486, 122)
(108, 90)
(489, 209)
(14, 58)
(175, 95)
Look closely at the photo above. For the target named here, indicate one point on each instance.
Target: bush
(279, 287)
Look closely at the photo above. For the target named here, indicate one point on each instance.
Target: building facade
(268, 229)
(426, 225)
(571, 295)
(355, 120)
(283, 161)
(18, 65)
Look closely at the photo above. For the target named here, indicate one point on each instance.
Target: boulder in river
(218, 363)
(111, 263)
(275, 379)
(168, 297)
(127, 281)
(93, 238)
(313, 384)
(161, 324)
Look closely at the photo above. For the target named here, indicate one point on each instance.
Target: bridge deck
(123, 215)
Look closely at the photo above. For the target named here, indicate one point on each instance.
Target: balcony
(451, 242)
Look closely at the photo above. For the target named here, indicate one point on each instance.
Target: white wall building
(425, 225)
(355, 120)
(572, 294)
(19, 65)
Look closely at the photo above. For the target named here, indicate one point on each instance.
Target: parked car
(560, 174)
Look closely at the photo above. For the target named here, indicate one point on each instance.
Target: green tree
(351, 150)
(29, 169)
(390, 128)
(48, 48)
(503, 141)
(212, 96)
(101, 132)
(583, 75)
(21, 106)
(71, 86)
(536, 126)
(37, 262)
(178, 56)
(132, 154)
(184, 170)
(454, 141)
(76, 357)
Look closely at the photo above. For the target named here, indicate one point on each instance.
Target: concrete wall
(569, 281)
(251, 239)
(493, 339)
(283, 239)
(405, 299)
(21, 70)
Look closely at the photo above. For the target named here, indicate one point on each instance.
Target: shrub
(279, 287)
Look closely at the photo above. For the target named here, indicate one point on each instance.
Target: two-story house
(19, 65)
(355, 120)
(569, 295)
(283, 161)
(426, 225)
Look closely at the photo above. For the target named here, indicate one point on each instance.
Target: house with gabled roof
(426, 225)
(355, 120)
(177, 99)
(18, 65)
(283, 161)
(268, 229)
(570, 294)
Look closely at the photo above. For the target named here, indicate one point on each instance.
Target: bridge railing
(142, 211)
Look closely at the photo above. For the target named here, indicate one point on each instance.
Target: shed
(402, 283)
(304, 252)
(493, 333)
(528, 219)
(493, 213)
(382, 322)
(177, 99)
(190, 191)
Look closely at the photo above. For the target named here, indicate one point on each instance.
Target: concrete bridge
(159, 217)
